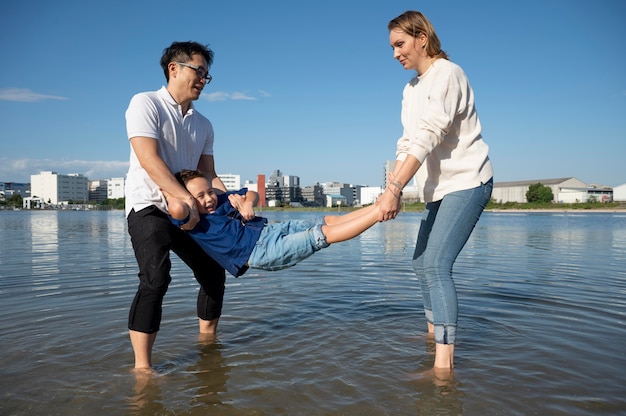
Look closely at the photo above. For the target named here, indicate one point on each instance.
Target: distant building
(260, 188)
(599, 193)
(356, 194)
(231, 182)
(369, 194)
(336, 188)
(104, 189)
(251, 186)
(115, 188)
(98, 190)
(313, 195)
(389, 165)
(32, 203)
(281, 189)
(53, 188)
(335, 200)
(565, 190)
(8, 189)
(411, 193)
(619, 193)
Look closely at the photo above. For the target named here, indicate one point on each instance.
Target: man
(167, 135)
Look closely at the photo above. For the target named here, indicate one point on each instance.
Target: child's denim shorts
(284, 244)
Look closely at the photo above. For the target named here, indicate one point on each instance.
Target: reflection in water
(439, 393)
(618, 244)
(211, 372)
(147, 399)
(396, 237)
(44, 235)
(204, 382)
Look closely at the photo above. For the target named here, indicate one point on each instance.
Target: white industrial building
(565, 190)
(369, 194)
(619, 193)
(54, 189)
(104, 189)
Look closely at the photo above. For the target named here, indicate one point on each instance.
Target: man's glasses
(202, 73)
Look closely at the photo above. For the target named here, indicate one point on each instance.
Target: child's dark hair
(185, 176)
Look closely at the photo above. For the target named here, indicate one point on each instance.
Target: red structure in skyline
(260, 182)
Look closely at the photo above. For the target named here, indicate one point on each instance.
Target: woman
(442, 147)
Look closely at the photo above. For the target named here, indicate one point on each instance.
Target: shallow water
(541, 328)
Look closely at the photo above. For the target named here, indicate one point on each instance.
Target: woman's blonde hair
(414, 23)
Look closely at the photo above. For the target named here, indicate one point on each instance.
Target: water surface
(541, 327)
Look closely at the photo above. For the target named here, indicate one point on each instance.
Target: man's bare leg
(208, 327)
(142, 346)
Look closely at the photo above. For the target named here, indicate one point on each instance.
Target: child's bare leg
(339, 219)
(363, 219)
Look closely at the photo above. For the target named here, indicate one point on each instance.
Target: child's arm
(245, 204)
(176, 207)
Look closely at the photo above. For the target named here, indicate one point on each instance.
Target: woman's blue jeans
(445, 228)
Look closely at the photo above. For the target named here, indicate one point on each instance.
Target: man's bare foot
(144, 373)
(207, 338)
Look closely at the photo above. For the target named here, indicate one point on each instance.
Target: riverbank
(512, 208)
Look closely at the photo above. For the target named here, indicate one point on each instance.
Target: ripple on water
(540, 328)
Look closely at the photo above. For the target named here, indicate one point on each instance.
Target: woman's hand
(390, 200)
(388, 205)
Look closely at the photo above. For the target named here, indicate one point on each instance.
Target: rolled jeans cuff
(445, 334)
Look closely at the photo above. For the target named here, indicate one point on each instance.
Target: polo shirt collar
(167, 97)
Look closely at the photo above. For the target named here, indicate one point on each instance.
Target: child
(237, 244)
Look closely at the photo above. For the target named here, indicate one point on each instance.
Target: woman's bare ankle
(444, 356)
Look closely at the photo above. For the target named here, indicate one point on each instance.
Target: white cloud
(234, 96)
(216, 96)
(19, 170)
(25, 95)
(240, 96)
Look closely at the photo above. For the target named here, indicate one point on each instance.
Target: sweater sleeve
(432, 103)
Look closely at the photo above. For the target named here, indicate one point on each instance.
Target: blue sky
(311, 88)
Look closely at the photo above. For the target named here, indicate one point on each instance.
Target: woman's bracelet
(397, 195)
(396, 184)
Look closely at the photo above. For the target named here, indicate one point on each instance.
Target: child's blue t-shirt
(225, 236)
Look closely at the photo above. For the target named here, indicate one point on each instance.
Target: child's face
(202, 191)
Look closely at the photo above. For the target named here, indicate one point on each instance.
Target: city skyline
(302, 185)
(314, 90)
